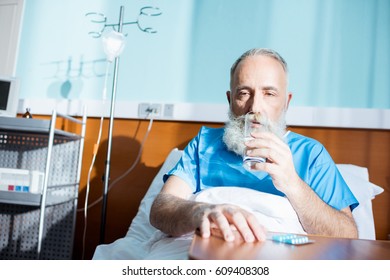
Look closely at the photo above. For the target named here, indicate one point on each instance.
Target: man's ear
(288, 99)
(228, 96)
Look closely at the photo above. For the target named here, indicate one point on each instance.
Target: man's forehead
(268, 69)
(260, 61)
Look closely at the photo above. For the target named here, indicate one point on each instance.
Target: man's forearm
(317, 217)
(177, 216)
(173, 215)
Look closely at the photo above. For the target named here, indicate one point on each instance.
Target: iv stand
(101, 19)
(109, 145)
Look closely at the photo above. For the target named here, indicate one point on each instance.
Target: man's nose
(257, 105)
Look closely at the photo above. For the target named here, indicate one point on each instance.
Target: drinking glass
(252, 124)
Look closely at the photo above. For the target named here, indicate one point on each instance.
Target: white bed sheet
(143, 241)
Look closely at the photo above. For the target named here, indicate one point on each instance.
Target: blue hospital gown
(207, 163)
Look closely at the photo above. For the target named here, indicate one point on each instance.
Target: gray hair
(259, 51)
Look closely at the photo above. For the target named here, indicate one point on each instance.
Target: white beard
(233, 136)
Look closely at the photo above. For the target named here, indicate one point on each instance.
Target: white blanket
(274, 212)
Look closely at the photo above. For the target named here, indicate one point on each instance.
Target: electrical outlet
(168, 110)
(148, 110)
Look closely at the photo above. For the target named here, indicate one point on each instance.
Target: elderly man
(296, 167)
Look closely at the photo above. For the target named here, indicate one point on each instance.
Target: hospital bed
(143, 241)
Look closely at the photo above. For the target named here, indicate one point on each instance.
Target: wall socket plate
(168, 110)
(149, 110)
(155, 110)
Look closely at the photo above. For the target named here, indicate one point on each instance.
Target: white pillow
(356, 178)
(138, 226)
(135, 245)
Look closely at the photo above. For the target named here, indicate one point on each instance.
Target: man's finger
(237, 218)
(222, 223)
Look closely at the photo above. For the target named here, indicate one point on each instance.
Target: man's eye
(270, 93)
(243, 93)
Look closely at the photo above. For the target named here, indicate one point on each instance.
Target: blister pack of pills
(292, 239)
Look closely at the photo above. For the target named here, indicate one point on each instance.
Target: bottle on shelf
(27, 115)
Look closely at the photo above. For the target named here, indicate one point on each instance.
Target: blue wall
(338, 50)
